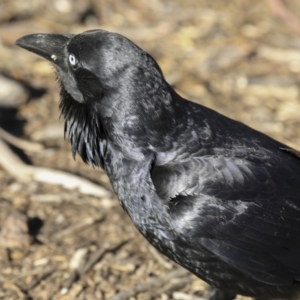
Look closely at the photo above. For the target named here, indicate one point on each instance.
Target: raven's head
(92, 63)
(110, 88)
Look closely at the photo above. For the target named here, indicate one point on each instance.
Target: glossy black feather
(214, 195)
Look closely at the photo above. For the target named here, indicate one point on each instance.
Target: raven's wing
(246, 211)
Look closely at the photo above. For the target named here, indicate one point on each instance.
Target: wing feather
(241, 210)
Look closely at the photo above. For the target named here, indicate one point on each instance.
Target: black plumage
(214, 195)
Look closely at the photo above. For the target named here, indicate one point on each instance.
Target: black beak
(53, 47)
(49, 46)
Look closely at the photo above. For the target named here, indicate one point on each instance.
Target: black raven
(215, 196)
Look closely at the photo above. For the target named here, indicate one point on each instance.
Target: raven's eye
(73, 60)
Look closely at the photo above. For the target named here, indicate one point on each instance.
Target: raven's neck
(132, 124)
(84, 130)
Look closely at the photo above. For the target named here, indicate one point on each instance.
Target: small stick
(68, 284)
(184, 296)
(173, 285)
(37, 280)
(76, 227)
(19, 143)
(98, 255)
(11, 163)
(159, 257)
(151, 284)
(289, 18)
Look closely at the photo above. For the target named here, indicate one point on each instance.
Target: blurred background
(239, 57)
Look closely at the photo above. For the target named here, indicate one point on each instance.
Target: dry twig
(37, 280)
(19, 143)
(151, 284)
(173, 285)
(184, 296)
(76, 227)
(95, 258)
(280, 10)
(160, 259)
(18, 169)
(98, 255)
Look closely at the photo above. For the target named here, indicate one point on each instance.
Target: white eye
(72, 59)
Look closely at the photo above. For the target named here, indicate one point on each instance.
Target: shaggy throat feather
(83, 129)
